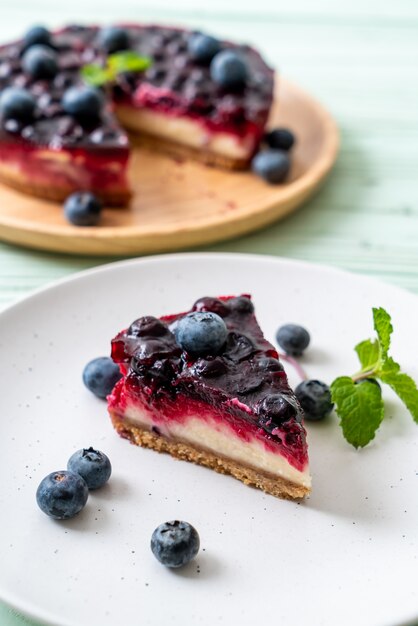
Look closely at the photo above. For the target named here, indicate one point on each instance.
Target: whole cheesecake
(183, 102)
(231, 410)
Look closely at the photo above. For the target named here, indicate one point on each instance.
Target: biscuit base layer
(273, 485)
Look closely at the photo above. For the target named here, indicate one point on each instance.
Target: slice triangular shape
(232, 411)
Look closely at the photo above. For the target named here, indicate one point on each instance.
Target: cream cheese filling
(185, 131)
(218, 438)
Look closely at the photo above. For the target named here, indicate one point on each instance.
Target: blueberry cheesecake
(63, 130)
(207, 387)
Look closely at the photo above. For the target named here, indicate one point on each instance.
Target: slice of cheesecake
(175, 105)
(231, 410)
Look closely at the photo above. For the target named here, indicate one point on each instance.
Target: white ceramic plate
(348, 555)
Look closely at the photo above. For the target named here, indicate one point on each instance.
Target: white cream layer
(185, 131)
(221, 440)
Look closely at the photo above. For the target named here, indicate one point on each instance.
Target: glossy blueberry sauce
(244, 385)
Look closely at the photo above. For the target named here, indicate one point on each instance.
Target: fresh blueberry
(229, 70)
(175, 543)
(271, 165)
(17, 104)
(37, 35)
(369, 380)
(62, 494)
(40, 62)
(83, 209)
(275, 409)
(293, 339)
(101, 375)
(83, 103)
(92, 465)
(114, 39)
(315, 399)
(280, 139)
(201, 332)
(202, 48)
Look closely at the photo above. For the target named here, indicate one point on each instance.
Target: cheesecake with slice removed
(186, 100)
(207, 387)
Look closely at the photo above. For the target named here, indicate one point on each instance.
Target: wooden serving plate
(181, 203)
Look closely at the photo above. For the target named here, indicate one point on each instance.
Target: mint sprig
(358, 398)
(128, 61)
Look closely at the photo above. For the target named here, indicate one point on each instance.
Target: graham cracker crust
(115, 198)
(274, 486)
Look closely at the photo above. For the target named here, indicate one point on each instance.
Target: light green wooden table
(360, 58)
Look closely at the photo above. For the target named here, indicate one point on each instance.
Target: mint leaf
(405, 388)
(360, 408)
(128, 61)
(368, 352)
(384, 329)
(95, 75)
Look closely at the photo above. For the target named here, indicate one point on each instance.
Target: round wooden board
(181, 203)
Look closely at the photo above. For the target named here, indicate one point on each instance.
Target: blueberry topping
(114, 39)
(229, 70)
(37, 35)
(101, 375)
(280, 139)
(175, 543)
(202, 48)
(201, 333)
(269, 364)
(315, 399)
(83, 208)
(17, 104)
(239, 347)
(83, 103)
(147, 326)
(271, 165)
(210, 368)
(211, 304)
(62, 494)
(92, 465)
(293, 339)
(40, 62)
(275, 409)
(242, 304)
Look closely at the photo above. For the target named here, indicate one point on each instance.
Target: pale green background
(360, 58)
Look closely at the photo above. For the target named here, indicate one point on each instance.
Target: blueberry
(369, 380)
(293, 339)
(92, 465)
(207, 303)
(37, 35)
(228, 70)
(101, 375)
(83, 103)
(17, 103)
(275, 409)
(201, 332)
(83, 209)
(271, 165)
(147, 326)
(40, 62)
(315, 399)
(175, 543)
(241, 304)
(280, 139)
(202, 48)
(62, 494)
(114, 39)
